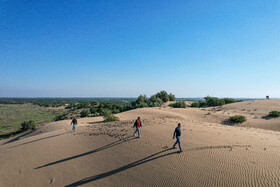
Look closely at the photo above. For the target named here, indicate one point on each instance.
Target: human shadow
(87, 153)
(229, 123)
(40, 139)
(16, 138)
(96, 122)
(267, 117)
(123, 168)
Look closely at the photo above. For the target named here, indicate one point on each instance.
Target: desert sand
(105, 154)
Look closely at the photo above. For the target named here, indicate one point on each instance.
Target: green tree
(213, 101)
(142, 99)
(171, 97)
(163, 95)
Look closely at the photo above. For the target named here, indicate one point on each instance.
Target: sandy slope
(104, 154)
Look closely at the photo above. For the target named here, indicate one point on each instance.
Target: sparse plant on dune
(110, 117)
(179, 104)
(199, 104)
(274, 114)
(237, 119)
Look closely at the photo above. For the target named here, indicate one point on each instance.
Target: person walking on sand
(74, 122)
(137, 124)
(177, 132)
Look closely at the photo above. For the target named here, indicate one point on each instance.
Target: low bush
(230, 100)
(274, 114)
(237, 119)
(61, 117)
(213, 101)
(195, 104)
(179, 104)
(198, 104)
(110, 117)
(85, 113)
(27, 125)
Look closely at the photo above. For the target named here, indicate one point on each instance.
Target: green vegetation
(56, 102)
(237, 119)
(199, 104)
(179, 104)
(28, 125)
(85, 113)
(110, 117)
(274, 114)
(154, 101)
(16, 113)
(213, 101)
(12, 116)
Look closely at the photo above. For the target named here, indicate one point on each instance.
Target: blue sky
(126, 48)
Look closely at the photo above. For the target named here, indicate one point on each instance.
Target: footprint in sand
(51, 181)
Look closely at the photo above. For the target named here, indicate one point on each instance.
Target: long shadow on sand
(39, 139)
(18, 137)
(87, 153)
(128, 166)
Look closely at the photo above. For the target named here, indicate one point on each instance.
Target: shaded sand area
(105, 154)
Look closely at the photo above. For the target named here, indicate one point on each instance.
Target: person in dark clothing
(137, 124)
(74, 122)
(177, 133)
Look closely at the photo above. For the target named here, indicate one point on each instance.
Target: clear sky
(124, 48)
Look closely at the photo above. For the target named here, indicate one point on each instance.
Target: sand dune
(105, 154)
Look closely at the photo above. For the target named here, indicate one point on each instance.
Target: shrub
(237, 119)
(61, 117)
(142, 99)
(27, 125)
(199, 104)
(85, 113)
(110, 117)
(155, 101)
(93, 110)
(179, 104)
(213, 101)
(229, 100)
(93, 103)
(171, 97)
(163, 95)
(274, 114)
(195, 104)
(105, 112)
